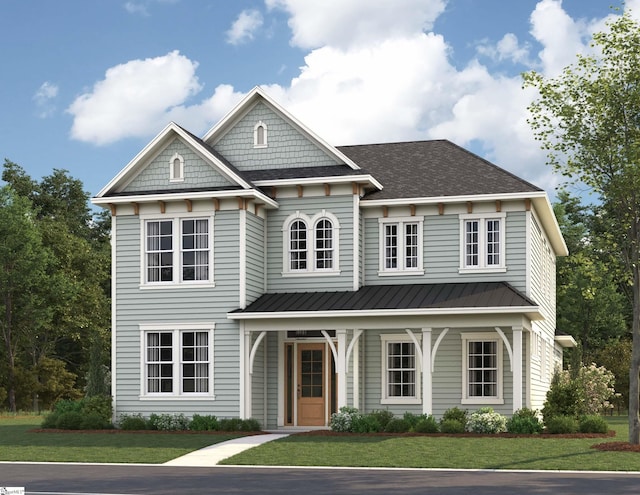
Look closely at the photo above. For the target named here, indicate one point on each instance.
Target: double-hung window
(177, 361)
(483, 242)
(401, 246)
(482, 369)
(401, 371)
(177, 250)
(311, 244)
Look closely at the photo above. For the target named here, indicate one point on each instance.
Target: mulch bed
(151, 432)
(611, 433)
(616, 447)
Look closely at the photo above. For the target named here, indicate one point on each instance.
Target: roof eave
(566, 341)
(334, 179)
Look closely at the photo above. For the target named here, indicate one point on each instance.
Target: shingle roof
(384, 297)
(421, 169)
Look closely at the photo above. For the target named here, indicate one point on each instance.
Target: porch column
(517, 368)
(245, 375)
(341, 367)
(427, 381)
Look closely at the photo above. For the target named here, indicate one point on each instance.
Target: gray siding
(180, 306)
(287, 147)
(255, 242)
(197, 172)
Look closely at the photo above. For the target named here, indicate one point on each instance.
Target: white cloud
(343, 23)
(44, 97)
(244, 27)
(136, 8)
(508, 48)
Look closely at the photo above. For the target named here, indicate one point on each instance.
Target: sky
(86, 85)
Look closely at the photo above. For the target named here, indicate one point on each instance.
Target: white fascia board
(249, 99)
(533, 312)
(566, 341)
(338, 179)
(177, 196)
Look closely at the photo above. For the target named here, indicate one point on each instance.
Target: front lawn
(19, 443)
(445, 452)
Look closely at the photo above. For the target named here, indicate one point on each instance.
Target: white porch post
(341, 367)
(427, 381)
(245, 375)
(517, 368)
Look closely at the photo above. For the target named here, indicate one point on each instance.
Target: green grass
(445, 452)
(17, 443)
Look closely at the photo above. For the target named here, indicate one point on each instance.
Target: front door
(312, 389)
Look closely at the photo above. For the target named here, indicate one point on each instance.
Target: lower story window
(177, 361)
(482, 381)
(401, 374)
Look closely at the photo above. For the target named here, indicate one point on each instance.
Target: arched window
(323, 244)
(298, 245)
(176, 168)
(260, 135)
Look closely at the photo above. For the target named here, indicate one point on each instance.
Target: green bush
(343, 419)
(486, 420)
(100, 405)
(524, 421)
(427, 424)
(593, 424)
(382, 416)
(67, 405)
(50, 420)
(365, 424)
(70, 420)
(563, 397)
(561, 425)
(230, 424)
(456, 414)
(204, 423)
(451, 426)
(250, 425)
(133, 422)
(95, 421)
(397, 425)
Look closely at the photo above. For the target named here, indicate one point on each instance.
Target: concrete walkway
(212, 455)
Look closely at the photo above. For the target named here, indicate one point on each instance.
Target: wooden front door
(312, 389)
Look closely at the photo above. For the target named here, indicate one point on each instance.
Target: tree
(588, 119)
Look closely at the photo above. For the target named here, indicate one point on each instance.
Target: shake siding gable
(287, 147)
(197, 172)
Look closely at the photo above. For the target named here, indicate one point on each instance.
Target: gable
(286, 147)
(197, 173)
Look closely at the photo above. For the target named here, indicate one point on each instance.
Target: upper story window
(311, 244)
(482, 371)
(483, 242)
(176, 168)
(177, 250)
(401, 246)
(260, 135)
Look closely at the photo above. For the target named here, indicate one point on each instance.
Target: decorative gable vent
(260, 135)
(176, 168)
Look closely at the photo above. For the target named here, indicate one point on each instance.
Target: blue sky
(86, 85)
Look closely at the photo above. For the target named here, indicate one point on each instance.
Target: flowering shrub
(169, 422)
(343, 420)
(486, 420)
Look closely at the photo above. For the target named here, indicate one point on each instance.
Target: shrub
(342, 420)
(67, 405)
(95, 421)
(397, 425)
(230, 424)
(524, 421)
(50, 420)
(451, 426)
(563, 397)
(456, 414)
(427, 424)
(249, 425)
(133, 422)
(561, 424)
(204, 423)
(382, 416)
(593, 424)
(100, 405)
(70, 420)
(365, 424)
(169, 422)
(486, 420)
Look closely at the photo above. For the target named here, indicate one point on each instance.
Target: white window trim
(311, 223)
(475, 337)
(385, 339)
(482, 243)
(255, 135)
(172, 177)
(177, 241)
(177, 329)
(383, 271)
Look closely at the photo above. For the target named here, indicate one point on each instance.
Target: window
(482, 369)
(260, 135)
(401, 246)
(482, 240)
(177, 362)
(401, 373)
(177, 250)
(176, 168)
(312, 244)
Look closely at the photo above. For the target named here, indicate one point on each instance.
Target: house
(261, 272)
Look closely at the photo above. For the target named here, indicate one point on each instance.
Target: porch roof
(451, 298)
